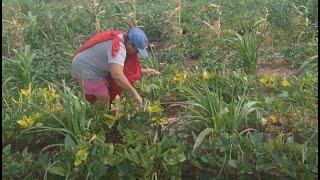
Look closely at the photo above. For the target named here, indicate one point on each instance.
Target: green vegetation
(237, 95)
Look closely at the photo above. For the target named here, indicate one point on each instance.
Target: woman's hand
(138, 100)
(150, 72)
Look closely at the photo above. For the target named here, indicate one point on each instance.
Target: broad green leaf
(257, 138)
(233, 163)
(69, 143)
(201, 137)
(7, 149)
(57, 170)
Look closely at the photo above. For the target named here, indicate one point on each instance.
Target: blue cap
(139, 40)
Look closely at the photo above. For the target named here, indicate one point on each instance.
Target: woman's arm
(118, 75)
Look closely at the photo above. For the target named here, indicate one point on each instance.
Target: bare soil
(279, 67)
(113, 136)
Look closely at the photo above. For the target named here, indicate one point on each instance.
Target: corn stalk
(97, 11)
(13, 27)
(133, 14)
(215, 26)
(131, 18)
(174, 21)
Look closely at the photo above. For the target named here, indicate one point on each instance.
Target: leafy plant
(209, 110)
(247, 51)
(310, 65)
(156, 157)
(21, 65)
(16, 165)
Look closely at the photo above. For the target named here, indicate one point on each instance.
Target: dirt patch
(190, 63)
(37, 144)
(278, 66)
(113, 136)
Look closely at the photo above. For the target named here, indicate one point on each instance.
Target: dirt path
(279, 67)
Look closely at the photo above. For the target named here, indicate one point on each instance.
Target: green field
(237, 97)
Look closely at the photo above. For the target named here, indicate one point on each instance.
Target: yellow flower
(285, 83)
(26, 92)
(26, 121)
(58, 107)
(180, 77)
(23, 123)
(155, 108)
(273, 118)
(207, 75)
(263, 121)
(268, 81)
(49, 94)
(81, 155)
(264, 80)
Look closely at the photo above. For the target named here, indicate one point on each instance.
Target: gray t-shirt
(93, 63)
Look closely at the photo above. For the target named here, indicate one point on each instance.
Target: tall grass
(20, 68)
(248, 52)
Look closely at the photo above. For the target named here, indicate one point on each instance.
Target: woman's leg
(95, 91)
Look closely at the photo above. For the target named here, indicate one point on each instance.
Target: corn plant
(247, 51)
(21, 65)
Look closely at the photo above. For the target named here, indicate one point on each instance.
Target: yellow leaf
(207, 75)
(110, 121)
(155, 108)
